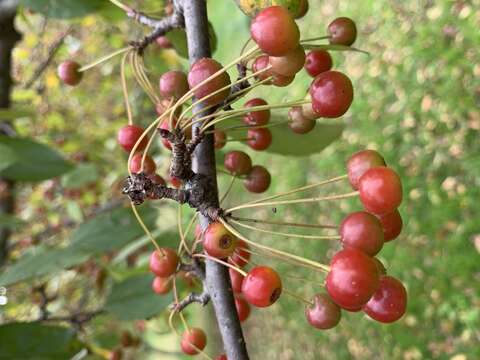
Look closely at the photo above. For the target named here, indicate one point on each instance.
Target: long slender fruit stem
(296, 201)
(282, 223)
(299, 236)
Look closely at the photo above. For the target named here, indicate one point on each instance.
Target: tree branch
(217, 277)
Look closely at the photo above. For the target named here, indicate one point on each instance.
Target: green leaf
(80, 176)
(14, 113)
(7, 157)
(178, 38)
(286, 142)
(34, 341)
(65, 9)
(133, 298)
(106, 232)
(10, 221)
(33, 161)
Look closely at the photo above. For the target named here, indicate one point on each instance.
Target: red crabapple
(218, 241)
(362, 231)
(193, 341)
(342, 31)
(258, 179)
(164, 263)
(200, 71)
(318, 61)
(258, 117)
(135, 166)
(238, 162)
(290, 63)
(173, 84)
(262, 286)
(380, 190)
(360, 162)
(353, 278)
(236, 278)
(128, 136)
(161, 285)
(243, 309)
(392, 225)
(324, 313)
(68, 72)
(298, 123)
(275, 31)
(259, 139)
(331, 93)
(389, 302)
(241, 255)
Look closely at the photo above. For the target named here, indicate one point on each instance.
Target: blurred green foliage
(417, 98)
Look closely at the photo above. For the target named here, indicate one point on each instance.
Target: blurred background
(417, 101)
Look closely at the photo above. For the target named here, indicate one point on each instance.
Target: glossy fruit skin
(165, 263)
(299, 124)
(342, 31)
(324, 314)
(220, 139)
(380, 190)
(392, 225)
(289, 64)
(237, 280)
(173, 84)
(218, 241)
(331, 93)
(353, 278)
(68, 72)
(257, 118)
(200, 71)
(362, 231)
(165, 125)
(241, 255)
(238, 162)
(162, 286)
(275, 31)
(262, 286)
(317, 62)
(221, 357)
(259, 139)
(389, 302)
(360, 162)
(149, 166)
(258, 180)
(128, 135)
(243, 309)
(261, 63)
(193, 339)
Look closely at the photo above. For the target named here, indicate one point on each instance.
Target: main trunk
(217, 277)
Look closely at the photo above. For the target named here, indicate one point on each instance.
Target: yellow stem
(322, 237)
(104, 58)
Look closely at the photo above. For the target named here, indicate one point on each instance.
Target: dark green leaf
(104, 233)
(65, 9)
(34, 341)
(34, 161)
(134, 299)
(286, 142)
(80, 176)
(7, 157)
